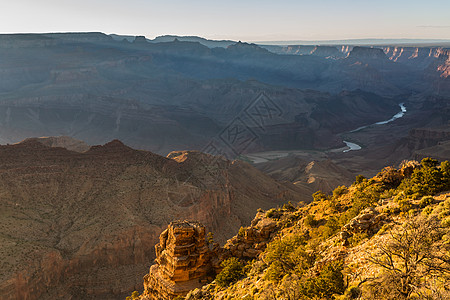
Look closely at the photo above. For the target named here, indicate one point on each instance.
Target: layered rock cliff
(183, 262)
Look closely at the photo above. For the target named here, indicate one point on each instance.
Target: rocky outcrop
(368, 221)
(183, 262)
(251, 241)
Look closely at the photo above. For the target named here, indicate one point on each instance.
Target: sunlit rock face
(182, 262)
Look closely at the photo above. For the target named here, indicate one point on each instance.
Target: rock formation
(182, 262)
(252, 240)
(185, 262)
(368, 221)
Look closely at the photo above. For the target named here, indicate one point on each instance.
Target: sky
(246, 20)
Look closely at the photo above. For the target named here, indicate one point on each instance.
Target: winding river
(353, 146)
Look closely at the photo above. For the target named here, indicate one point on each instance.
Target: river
(354, 147)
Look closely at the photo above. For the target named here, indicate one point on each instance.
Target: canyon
(83, 225)
(224, 130)
(174, 93)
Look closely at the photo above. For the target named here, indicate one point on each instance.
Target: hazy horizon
(249, 20)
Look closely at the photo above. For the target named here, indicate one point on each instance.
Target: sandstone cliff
(183, 262)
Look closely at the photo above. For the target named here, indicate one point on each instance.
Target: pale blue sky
(249, 20)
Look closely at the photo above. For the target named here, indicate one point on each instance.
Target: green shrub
(288, 206)
(404, 205)
(339, 191)
(319, 196)
(427, 211)
(330, 281)
(353, 292)
(357, 238)
(443, 209)
(395, 210)
(445, 170)
(310, 221)
(429, 179)
(359, 179)
(210, 238)
(330, 228)
(241, 232)
(134, 296)
(387, 193)
(384, 228)
(390, 177)
(366, 195)
(273, 213)
(446, 222)
(285, 256)
(425, 201)
(233, 270)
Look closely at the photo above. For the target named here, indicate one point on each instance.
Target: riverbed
(354, 147)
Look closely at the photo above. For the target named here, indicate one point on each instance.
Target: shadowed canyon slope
(83, 225)
(162, 96)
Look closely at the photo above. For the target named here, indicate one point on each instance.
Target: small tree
(233, 270)
(210, 238)
(390, 177)
(427, 180)
(329, 282)
(285, 256)
(413, 255)
(359, 179)
(319, 196)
